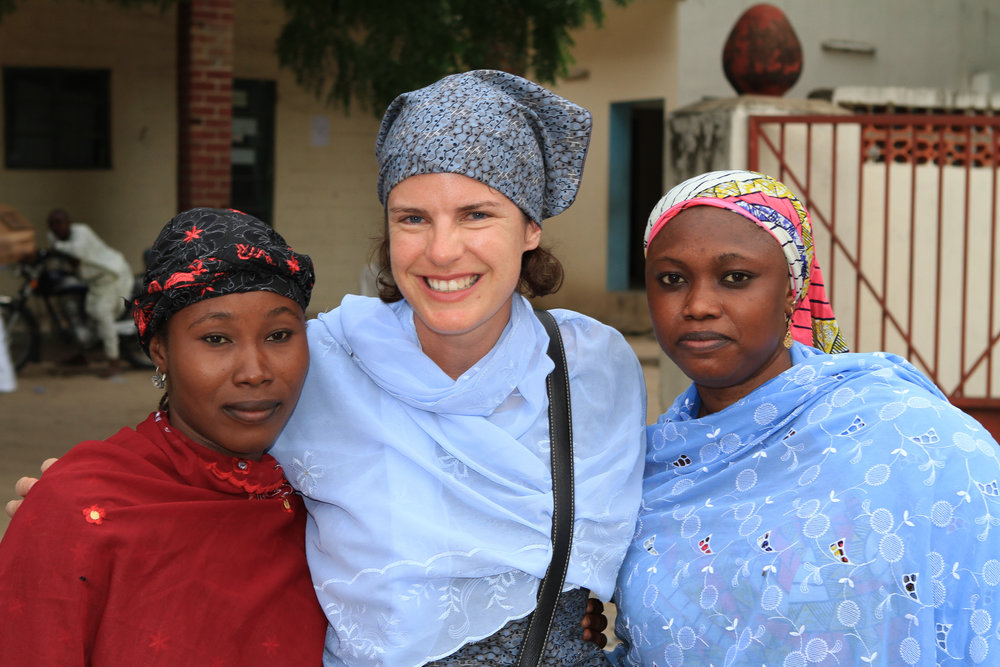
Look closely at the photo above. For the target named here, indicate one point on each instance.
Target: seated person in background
(801, 504)
(180, 542)
(107, 274)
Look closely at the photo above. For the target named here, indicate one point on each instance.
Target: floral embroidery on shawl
(95, 514)
(842, 513)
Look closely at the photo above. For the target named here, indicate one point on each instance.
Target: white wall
(948, 234)
(919, 43)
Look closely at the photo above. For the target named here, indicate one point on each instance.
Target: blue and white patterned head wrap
(515, 136)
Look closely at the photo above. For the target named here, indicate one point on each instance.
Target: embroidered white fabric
(430, 499)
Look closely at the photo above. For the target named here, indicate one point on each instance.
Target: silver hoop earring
(159, 379)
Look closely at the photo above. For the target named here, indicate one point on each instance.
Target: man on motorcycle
(106, 272)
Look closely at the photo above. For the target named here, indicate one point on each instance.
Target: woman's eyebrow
(726, 256)
(225, 315)
(407, 208)
(404, 207)
(280, 310)
(214, 315)
(481, 204)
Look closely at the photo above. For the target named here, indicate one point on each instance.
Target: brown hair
(541, 271)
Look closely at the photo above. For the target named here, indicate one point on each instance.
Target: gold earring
(788, 336)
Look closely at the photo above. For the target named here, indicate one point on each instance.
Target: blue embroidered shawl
(843, 513)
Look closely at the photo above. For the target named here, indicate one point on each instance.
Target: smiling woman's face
(235, 365)
(719, 297)
(456, 247)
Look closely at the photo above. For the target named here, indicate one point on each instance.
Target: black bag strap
(561, 445)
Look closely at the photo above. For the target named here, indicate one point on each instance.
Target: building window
(635, 185)
(56, 118)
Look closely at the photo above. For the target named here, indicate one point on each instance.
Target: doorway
(252, 169)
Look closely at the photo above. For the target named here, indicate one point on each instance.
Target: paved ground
(49, 413)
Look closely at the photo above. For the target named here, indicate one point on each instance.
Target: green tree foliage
(368, 51)
(365, 52)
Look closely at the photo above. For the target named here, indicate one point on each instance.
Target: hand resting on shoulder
(22, 486)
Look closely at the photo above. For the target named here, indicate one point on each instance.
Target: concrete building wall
(128, 203)
(324, 191)
(917, 43)
(632, 58)
(940, 218)
(325, 199)
(324, 196)
(325, 172)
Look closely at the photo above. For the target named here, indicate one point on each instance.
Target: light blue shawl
(844, 513)
(430, 498)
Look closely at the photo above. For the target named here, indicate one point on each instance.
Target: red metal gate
(905, 213)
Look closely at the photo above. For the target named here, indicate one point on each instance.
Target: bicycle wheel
(24, 338)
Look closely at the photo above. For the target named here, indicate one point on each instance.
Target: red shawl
(148, 549)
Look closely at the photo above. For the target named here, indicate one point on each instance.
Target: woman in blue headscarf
(801, 504)
(421, 441)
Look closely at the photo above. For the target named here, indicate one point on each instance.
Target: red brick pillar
(204, 102)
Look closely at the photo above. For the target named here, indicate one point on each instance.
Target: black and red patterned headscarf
(207, 252)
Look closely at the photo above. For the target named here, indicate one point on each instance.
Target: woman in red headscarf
(180, 541)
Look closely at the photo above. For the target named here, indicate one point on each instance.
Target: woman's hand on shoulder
(594, 623)
(22, 486)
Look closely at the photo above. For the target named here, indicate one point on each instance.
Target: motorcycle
(48, 279)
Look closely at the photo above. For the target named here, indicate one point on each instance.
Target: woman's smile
(448, 285)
